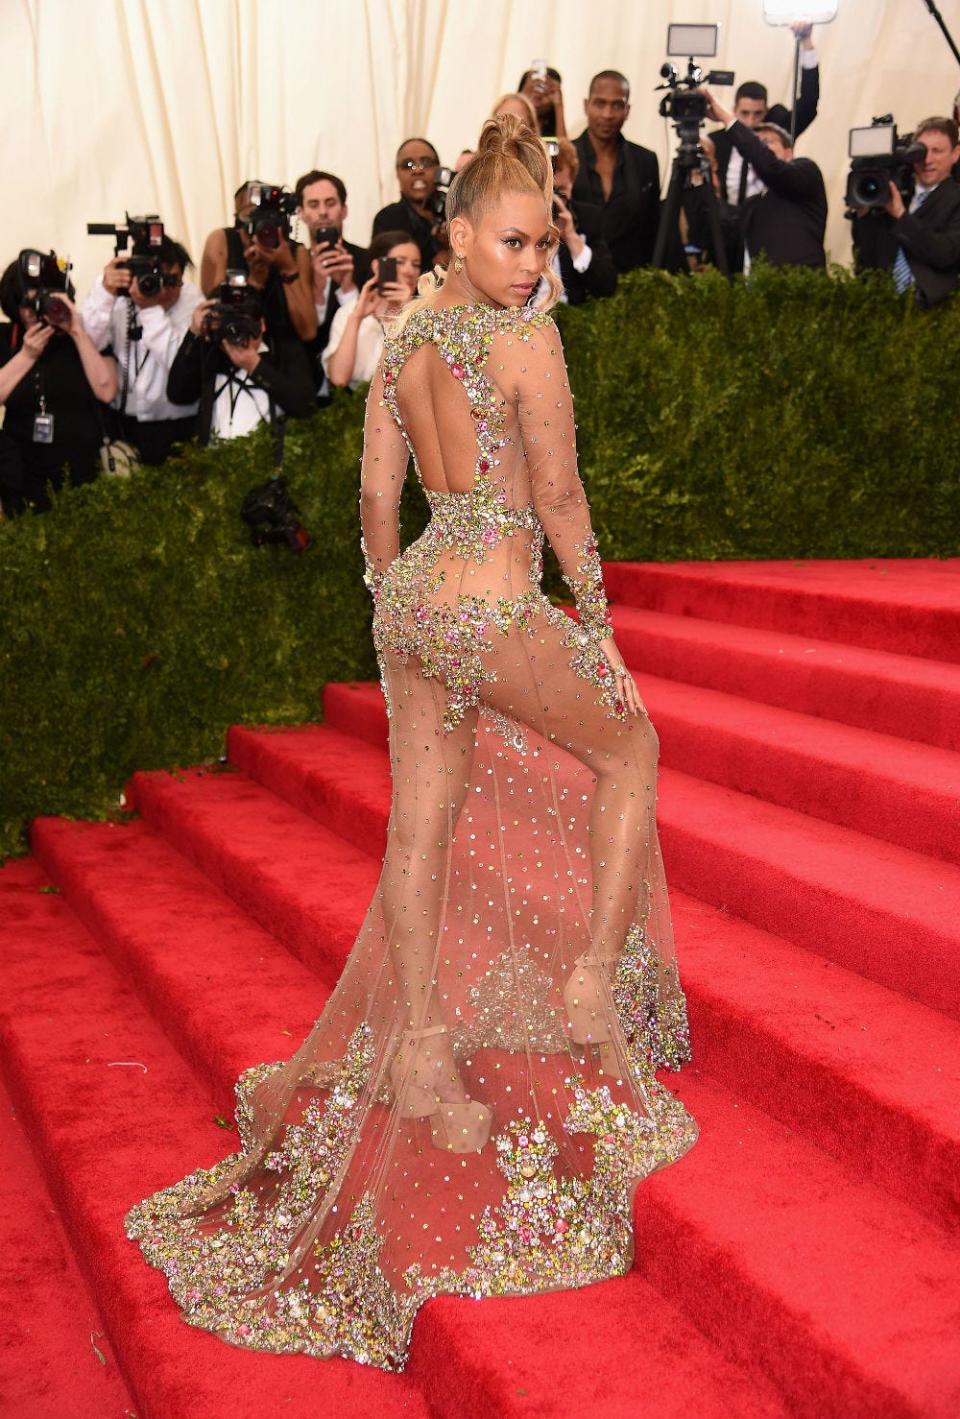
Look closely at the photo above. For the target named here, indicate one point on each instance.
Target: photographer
(787, 220)
(544, 91)
(622, 179)
(280, 271)
(145, 332)
(241, 373)
(356, 340)
(417, 168)
(581, 258)
(918, 241)
(52, 384)
(339, 267)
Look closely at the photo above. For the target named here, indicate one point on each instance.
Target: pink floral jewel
(458, 371)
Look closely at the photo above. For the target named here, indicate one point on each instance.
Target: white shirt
(369, 346)
(808, 60)
(238, 405)
(148, 359)
(344, 298)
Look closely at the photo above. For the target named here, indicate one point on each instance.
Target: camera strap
(278, 427)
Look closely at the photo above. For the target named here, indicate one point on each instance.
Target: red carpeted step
(890, 914)
(904, 792)
(111, 1135)
(901, 695)
(888, 788)
(911, 607)
(114, 1113)
(55, 1360)
(867, 1074)
(849, 1296)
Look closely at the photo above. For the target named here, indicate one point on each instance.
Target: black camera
(878, 157)
(47, 277)
(235, 313)
(273, 516)
(681, 104)
(271, 209)
(144, 238)
(438, 202)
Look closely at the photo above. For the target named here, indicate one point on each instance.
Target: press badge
(43, 425)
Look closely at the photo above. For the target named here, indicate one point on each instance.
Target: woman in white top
(356, 336)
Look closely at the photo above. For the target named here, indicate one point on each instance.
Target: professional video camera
(272, 208)
(235, 313)
(48, 277)
(878, 157)
(681, 104)
(143, 236)
(438, 202)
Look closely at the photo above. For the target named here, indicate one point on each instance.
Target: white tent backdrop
(167, 105)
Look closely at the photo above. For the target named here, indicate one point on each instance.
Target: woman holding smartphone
(356, 336)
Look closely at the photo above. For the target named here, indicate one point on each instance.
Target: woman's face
(407, 256)
(417, 171)
(506, 251)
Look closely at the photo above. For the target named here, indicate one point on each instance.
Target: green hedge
(798, 417)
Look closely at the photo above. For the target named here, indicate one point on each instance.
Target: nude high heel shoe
(457, 1126)
(588, 1012)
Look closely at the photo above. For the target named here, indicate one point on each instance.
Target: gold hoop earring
(458, 264)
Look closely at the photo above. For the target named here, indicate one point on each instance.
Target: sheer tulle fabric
(515, 972)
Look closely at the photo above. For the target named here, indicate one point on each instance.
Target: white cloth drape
(167, 105)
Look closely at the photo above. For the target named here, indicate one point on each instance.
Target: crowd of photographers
(151, 359)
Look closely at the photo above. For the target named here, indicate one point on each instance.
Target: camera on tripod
(235, 313)
(48, 277)
(144, 237)
(681, 104)
(878, 157)
(272, 207)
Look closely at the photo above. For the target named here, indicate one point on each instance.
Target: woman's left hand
(626, 685)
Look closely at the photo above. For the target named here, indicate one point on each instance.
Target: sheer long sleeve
(545, 410)
(382, 474)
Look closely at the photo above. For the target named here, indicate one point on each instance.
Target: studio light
(784, 12)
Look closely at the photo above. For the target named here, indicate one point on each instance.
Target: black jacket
(284, 372)
(361, 272)
(600, 277)
(631, 213)
(788, 221)
(806, 112)
(401, 217)
(930, 238)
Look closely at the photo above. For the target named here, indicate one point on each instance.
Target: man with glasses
(417, 164)
(145, 333)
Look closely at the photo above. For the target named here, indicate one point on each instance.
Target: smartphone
(538, 71)
(326, 236)
(386, 271)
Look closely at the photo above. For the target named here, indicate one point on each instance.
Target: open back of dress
(520, 860)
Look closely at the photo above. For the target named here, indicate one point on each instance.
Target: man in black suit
(583, 260)
(786, 221)
(738, 179)
(339, 268)
(919, 244)
(622, 179)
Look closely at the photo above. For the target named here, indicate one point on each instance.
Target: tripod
(689, 158)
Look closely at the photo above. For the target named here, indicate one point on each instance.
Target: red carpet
(804, 1259)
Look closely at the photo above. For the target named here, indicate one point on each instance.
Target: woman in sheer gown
(477, 1102)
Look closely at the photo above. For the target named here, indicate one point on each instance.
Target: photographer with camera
(420, 208)
(141, 316)
(581, 258)
(356, 340)
(543, 87)
(916, 236)
(240, 372)
(339, 267)
(278, 267)
(787, 220)
(53, 382)
(622, 179)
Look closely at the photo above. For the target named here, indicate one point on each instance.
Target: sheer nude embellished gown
(476, 1104)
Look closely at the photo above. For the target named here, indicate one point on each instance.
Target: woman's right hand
(36, 340)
